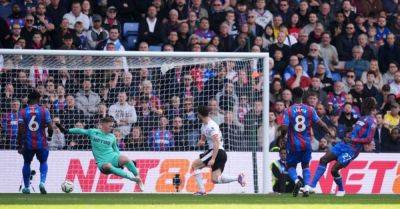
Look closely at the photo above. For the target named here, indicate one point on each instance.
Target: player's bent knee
(123, 160)
(335, 172)
(323, 160)
(106, 167)
(197, 164)
(214, 180)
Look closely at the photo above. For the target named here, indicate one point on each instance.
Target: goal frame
(266, 173)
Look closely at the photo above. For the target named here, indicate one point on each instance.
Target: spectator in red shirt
(298, 79)
(279, 108)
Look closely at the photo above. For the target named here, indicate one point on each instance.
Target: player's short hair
(33, 96)
(368, 105)
(106, 120)
(203, 111)
(297, 93)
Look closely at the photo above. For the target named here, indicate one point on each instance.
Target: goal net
(153, 99)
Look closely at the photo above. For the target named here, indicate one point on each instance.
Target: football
(67, 186)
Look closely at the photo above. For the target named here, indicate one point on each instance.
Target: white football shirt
(209, 130)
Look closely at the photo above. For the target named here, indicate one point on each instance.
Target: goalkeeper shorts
(113, 160)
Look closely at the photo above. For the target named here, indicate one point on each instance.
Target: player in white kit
(215, 157)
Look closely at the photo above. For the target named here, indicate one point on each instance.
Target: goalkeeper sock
(226, 179)
(26, 173)
(43, 172)
(318, 173)
(199, 180)
(338, 181)
(131, 167)
(293, 174)
(306, 176)
(120, 172)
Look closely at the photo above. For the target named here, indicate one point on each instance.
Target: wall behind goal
(369, 173)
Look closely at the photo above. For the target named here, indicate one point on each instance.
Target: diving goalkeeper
(105, 150)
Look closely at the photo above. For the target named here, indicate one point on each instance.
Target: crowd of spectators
(338, 51)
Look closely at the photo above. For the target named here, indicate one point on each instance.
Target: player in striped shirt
(298, 120)
(346, 151)
(32, 140)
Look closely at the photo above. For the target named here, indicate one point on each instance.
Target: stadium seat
(154, 48)
(131, 28)
(131, 42)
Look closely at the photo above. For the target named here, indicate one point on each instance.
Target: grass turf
(183, 201)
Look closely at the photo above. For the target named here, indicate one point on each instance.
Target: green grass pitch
(186, 201)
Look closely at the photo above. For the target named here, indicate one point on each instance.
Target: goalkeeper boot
(241, 180)
(42, 188)
(296, 188)
(139, 182)
(340, 193)
(26, 191)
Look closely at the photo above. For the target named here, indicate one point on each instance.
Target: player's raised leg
(124, 161)
(219, 178)
(197, 165)
(218, 168)
(42, 156)
(108, 168)
(323, 162)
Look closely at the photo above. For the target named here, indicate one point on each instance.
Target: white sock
(199, 180)
(226, 179)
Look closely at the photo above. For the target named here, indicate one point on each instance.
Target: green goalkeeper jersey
(104, 145)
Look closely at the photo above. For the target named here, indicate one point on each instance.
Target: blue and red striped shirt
(299, 119)
(363, 132)
(35, 119)
(9, 122)
(161, 140)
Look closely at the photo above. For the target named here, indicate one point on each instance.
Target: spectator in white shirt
(395, 86)
(77, 15)
(123, 113)
(263, 16)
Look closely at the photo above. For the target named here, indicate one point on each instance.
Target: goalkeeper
(105, 150)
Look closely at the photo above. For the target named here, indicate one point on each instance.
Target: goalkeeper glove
(62, 129)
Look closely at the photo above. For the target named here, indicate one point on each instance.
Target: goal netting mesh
(153, 100)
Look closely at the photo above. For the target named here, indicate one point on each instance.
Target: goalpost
(153, 97)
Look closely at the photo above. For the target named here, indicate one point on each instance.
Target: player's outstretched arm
(72, 130)
(323, 125)
(202, 141)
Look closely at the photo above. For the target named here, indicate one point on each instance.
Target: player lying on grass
(298, 120)
(215, 156)
(105, 150)
(32, 123)
(344, 152)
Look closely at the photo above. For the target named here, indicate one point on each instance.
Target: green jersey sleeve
(79, 131)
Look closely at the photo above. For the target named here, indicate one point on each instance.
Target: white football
(67, 186)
